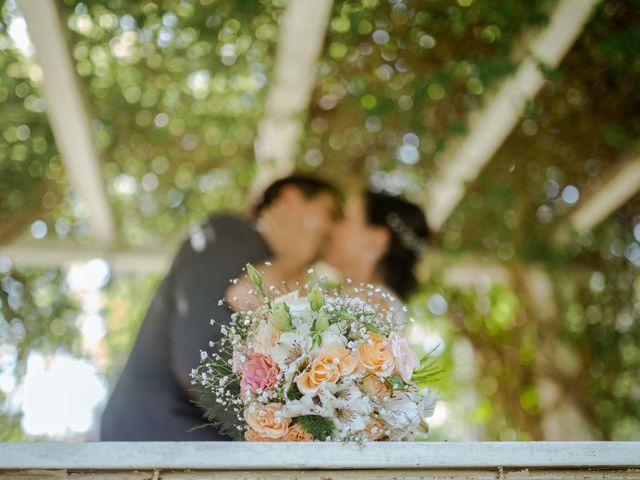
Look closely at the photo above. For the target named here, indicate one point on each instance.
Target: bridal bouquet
(323, 366)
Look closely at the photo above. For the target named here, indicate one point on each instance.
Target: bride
(377, 241)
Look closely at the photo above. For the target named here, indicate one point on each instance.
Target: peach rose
(297, 434)
(260, 372)
(253, 436)
(376, 355)
(327, 367)
(266, 420)
(348, 362)
(321, 371)
(405, 358)
(374, 386)
(374, 430)
(266, 337)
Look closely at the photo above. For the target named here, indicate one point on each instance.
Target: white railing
(199, 460)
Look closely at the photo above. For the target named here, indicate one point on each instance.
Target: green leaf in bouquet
(427, 372)
(281, 317)
(371, 327)
(220, 417)
(316, 298)
(319, 427)
(424, 426)
(207, 396)
(322, 322)
(294, 392)
(316, 339)
(342, 315)
(395, 382)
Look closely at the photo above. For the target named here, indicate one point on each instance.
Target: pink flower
(260, 372)
(405, 358)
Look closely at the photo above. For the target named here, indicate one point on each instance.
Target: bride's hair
(409, 235)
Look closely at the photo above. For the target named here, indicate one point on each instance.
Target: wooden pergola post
(68, 115)
(302, 32)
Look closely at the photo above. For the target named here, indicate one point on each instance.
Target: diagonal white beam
(490, 126)
(616, 190)
(302, 31)
(67, 114)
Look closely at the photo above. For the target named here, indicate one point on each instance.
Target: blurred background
(515, 124)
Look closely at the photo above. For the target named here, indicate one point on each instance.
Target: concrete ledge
(216, 456)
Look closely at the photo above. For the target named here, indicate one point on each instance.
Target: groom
(153, 399)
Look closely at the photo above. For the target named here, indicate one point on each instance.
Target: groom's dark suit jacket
(151, 400)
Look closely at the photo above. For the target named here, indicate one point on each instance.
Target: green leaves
(427, 373)
(219, 416)
(395, 382)
(319, 427)
(294, 393)
(346, 316)
(316, 339)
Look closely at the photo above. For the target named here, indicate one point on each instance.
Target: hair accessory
(407, 236)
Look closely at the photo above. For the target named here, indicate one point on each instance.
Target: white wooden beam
(621, 184)
(491, 125)
(58, 253)
(302, 32)
(67, 113)
(461, 271)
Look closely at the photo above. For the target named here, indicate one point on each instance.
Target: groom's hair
(309, 186)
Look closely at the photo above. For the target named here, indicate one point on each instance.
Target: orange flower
(253, 436)
(374, 386)
(266, 421)
(375, 429)
(333, 361)
(297, 434)
(376, 355)
(348, 363)
(322, 370)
